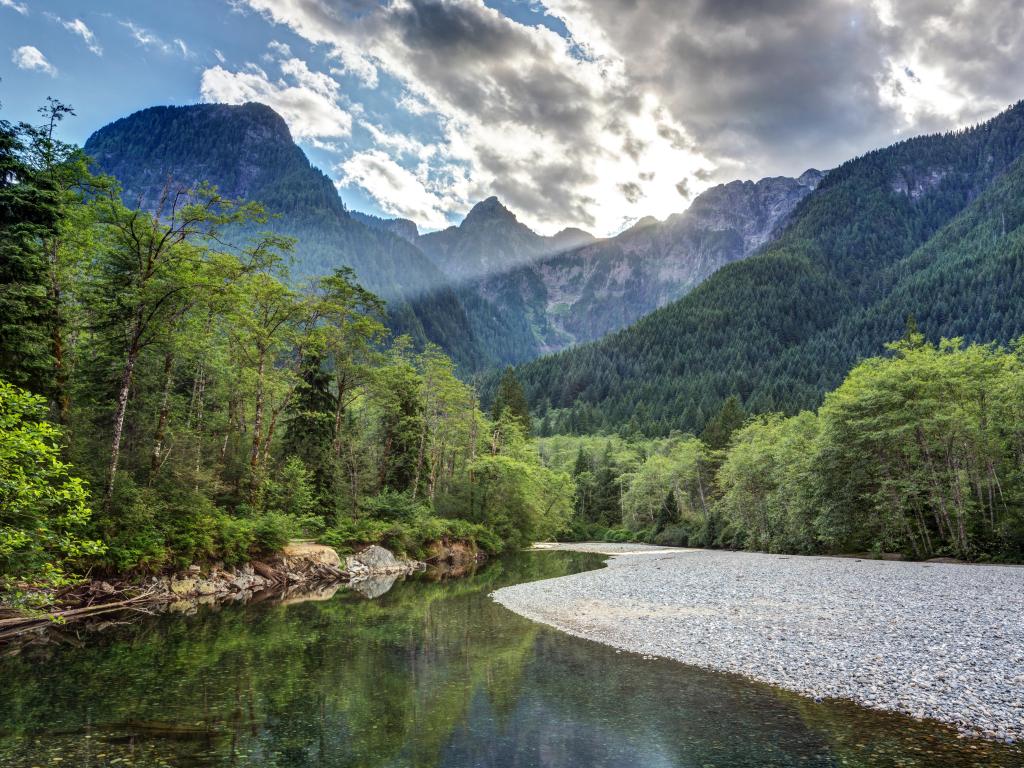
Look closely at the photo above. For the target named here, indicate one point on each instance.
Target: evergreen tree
(309, 428)
(719, 429)
(668, 514)
(29, 213)
(510, 397)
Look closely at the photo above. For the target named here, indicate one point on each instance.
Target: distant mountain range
(489, 291)
(930, 228)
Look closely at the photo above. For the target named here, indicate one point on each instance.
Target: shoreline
(302, 570)
(934, 641)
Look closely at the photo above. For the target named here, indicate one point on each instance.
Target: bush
(677, 535)
(43, 507)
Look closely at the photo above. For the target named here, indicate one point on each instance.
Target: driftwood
(11, 627)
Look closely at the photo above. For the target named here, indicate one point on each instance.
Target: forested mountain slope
(248, 153)
(929, 227)
(585, 293)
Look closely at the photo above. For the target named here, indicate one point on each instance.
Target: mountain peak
(490, 209)
(811, 177)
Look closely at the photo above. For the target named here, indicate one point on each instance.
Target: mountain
(930, 227)
(404, 228)
(586, 292)
(491, 240)
(248, 153)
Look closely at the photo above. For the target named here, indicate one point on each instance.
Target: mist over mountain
(247, 152)
(583, 293)
(489, 291)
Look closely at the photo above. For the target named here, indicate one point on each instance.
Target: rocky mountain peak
(811, 178)
(486, 211)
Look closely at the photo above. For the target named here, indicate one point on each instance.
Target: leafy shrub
(43, 507)
(677, 535)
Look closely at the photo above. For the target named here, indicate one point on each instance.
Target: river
(427, 674)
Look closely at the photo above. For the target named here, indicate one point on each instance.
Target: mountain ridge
(782, 327)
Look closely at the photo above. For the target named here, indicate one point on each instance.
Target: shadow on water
(429, 673)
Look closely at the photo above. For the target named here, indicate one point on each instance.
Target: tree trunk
(122, 406)
(157, 459)
(257, 421)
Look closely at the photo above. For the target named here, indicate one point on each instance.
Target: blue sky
(586, 113)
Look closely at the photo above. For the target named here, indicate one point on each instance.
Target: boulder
(298, 552)
(375, 559)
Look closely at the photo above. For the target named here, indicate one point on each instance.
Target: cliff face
(583, 293)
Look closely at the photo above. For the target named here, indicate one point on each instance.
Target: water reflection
(427, 674)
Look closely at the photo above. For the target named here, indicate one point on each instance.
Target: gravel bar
(932, 640)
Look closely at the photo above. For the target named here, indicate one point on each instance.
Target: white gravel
(932, 640)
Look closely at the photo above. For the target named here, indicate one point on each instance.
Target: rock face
(491, 240)
(378, 561)
(583, 294)
(298, 552)
(532, 295)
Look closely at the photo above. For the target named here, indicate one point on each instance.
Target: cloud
(219, 56)
(15, 6)
(144, 37)
(644, 103)
(306, 100)
(31, 58)
(78, 27)
(400, 191)
(561, 138)
(148, 39)
(768, 88)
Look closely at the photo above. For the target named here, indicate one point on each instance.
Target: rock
(206, 588)
(194, 569)
(183, 586)
(308, 552)
(374, 558)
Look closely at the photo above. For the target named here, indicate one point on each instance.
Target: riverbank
(932, 640)
(301, 570)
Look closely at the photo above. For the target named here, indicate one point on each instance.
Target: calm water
(428, 674)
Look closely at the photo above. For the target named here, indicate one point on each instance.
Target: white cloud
(354, 62)
(220, 56)
(78, 27)
(183, 48)
(644, 99)
(281, 49)
(15, 6)
(561, 139)
(308, 105)
(144, 37)
(31, 58)
(399, 191)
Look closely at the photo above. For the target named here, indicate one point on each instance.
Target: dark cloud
(758, 87)
(775, 85)
(631, 191)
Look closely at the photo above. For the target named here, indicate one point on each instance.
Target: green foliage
(917, 452)
(44, 508)
(221, 407)
(930, 227)
(511, 399)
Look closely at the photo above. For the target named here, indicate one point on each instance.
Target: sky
(586, 113)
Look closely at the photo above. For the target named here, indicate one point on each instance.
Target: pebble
(939, 641)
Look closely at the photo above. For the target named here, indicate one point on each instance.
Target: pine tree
(29, 212)
(728, 419)
(511, 398)
(309, 428)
